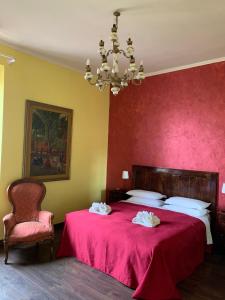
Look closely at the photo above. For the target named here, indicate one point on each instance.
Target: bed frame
(173, 182)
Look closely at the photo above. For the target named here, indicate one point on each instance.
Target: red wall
(173, 120)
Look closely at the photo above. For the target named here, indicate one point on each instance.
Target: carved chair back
(26, 196)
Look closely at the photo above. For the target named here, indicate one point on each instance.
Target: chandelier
(107, 75)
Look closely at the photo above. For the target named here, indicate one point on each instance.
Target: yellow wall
(35, 79)
(1, 109)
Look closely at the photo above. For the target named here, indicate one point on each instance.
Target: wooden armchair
(27, 223)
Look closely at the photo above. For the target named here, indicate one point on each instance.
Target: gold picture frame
(47, 141)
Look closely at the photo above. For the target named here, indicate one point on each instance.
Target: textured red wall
(174, 120)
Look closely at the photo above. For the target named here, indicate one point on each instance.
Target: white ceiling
(166, 33)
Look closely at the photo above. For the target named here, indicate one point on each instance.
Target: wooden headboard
(173, 182)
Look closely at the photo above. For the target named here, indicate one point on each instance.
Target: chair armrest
(9, 222)
(45, 217)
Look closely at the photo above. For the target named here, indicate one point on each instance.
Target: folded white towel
(146, 218)
(100, 208)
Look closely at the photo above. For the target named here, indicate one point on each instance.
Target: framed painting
(47, 143)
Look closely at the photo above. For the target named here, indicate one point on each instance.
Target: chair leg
(6, 250)
(37, 246)
(52, 248)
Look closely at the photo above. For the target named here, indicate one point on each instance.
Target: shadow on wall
(103, 196)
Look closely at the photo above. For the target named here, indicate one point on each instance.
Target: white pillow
(146, 194)
(145, 201)
(187, 202)
(188, 211)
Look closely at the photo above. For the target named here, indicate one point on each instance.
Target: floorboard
(30, 275)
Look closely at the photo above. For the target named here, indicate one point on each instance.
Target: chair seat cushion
(30, 232)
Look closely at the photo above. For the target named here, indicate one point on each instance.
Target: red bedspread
(150, 260)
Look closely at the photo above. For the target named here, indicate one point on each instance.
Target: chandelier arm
(93, 82)
(124, 53)
(106, 82)
(107, 77)
(109, 52)
(136, 81)
(131, 76)
(109, 80)
(115, 79)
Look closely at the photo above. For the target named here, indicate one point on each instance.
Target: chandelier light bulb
(101, 43)
(104, 78)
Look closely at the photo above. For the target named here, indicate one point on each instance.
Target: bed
(149, 260)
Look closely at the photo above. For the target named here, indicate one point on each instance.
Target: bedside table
(116, 195)
(221, 228)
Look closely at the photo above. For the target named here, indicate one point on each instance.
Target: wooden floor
(31, 276)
